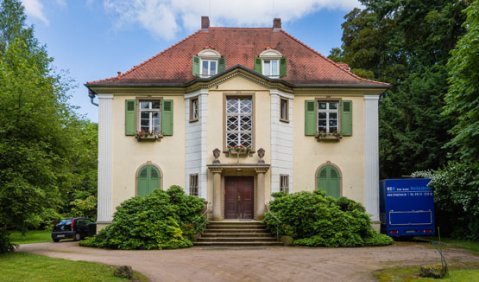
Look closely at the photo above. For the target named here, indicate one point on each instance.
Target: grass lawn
(34, 236)
(410, 274)
(29, 267)
(472, 246)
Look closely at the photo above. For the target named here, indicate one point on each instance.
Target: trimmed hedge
(314, 219)
(162, 220)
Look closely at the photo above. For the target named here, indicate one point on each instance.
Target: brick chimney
(277, 24)
(205, 23)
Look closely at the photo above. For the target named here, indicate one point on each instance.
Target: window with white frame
(284, 183)
(271, 68)
(239, 122)
(208, 68)
(194, 184)
(328, 116)
(149, 112)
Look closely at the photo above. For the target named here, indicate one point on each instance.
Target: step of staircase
(236, 233)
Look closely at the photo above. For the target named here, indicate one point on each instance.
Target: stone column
(260, 204)
(371, 157)
(217, 213)
(105, 159)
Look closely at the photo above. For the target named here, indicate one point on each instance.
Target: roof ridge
(158, 54)
(329, 60)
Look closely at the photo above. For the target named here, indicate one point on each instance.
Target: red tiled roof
(239, 46)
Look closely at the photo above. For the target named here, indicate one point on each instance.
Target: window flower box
(239, 150)
(324, 136)
(147, 136)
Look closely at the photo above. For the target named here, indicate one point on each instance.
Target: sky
(94, 39)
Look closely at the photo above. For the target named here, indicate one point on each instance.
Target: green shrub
(314, 219)
(456, 197)
(161, 220)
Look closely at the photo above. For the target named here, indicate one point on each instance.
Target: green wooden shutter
(142, 182)
(167, 117)
(310, 109)
(221, 65)
(196, 66)
(257, 65)
(130, 117)
(347, 118)
(282, 67)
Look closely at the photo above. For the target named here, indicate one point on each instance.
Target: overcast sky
(93, 39)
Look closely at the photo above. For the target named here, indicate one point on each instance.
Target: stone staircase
(236, 233)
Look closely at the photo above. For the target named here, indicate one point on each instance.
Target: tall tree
(462, 99)
(36, 140)
(406, 43)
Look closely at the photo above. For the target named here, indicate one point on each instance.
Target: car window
(65, 222)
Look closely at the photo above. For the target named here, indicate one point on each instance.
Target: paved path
(256, 264)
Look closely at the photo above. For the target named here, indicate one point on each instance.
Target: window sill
(284, 120)
(328, 137)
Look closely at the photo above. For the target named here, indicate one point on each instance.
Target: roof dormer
(208, 63)
(271, 63)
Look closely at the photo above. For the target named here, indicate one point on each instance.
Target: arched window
(328, 179)
(148, 179)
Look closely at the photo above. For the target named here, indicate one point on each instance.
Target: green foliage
(462, 99)
(314, 219)
(406, 43)
(456, 197)
(46, 151)
(162, 220)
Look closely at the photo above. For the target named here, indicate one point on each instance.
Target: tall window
(194, 184)
(329, 181)
(150, 116)
(284, 109)
(271, 68)
(209, 68)
(284, 183)
(194, 109)
(328, 116)
(149, 179)
(239, 122)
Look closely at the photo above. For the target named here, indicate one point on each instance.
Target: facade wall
(129, 154)
(287, 148)
(347, 155)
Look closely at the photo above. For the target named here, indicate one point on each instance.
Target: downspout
(92, 95)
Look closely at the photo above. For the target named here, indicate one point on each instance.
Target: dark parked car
(76, 228)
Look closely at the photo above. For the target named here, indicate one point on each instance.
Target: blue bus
(406, 207)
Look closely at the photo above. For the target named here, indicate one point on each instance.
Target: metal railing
(276, 218)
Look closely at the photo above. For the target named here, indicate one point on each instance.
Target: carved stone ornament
(261, 155)
(216, 154)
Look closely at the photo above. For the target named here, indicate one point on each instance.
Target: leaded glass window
(239, 122)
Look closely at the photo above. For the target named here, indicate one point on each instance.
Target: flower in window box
(148, 135)
(333, 136)
(239, 150)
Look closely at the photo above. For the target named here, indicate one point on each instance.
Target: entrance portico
(238, 190)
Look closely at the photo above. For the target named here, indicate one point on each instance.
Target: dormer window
(271, 68)
(207, 63)
(271, 63)
(208, 68)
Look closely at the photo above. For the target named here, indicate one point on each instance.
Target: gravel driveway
(256, 264)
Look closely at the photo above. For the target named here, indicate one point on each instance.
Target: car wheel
(77, 237)
(56, 240)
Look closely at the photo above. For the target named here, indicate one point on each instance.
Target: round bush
(314, 219)
(162, 220)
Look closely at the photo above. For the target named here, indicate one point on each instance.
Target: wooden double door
(239, 197)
